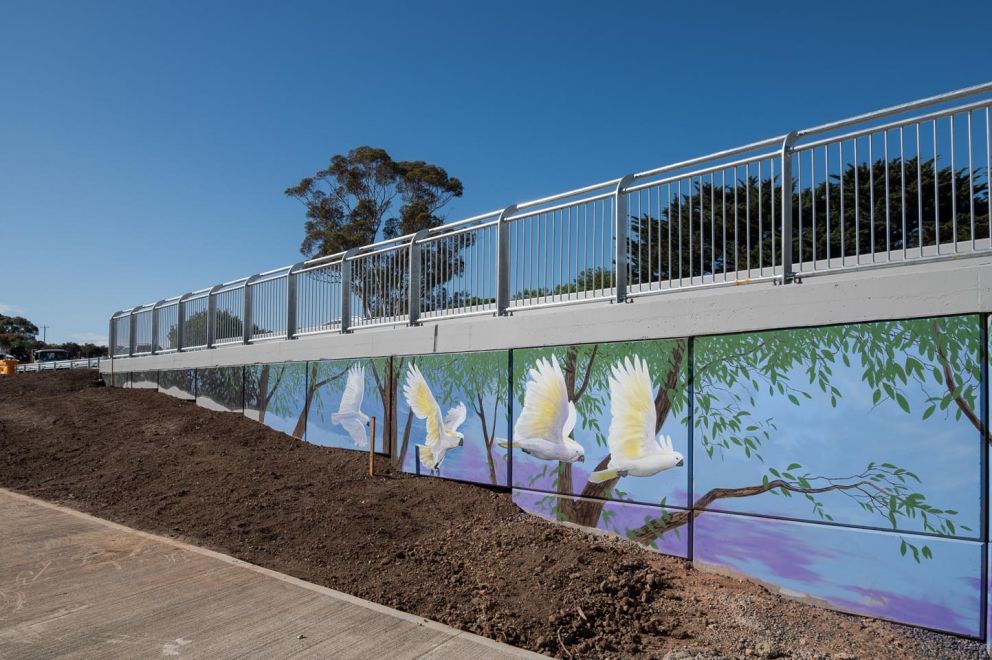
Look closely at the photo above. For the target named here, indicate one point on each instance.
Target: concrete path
(72, 585)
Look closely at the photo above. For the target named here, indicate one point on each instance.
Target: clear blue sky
(144, 147)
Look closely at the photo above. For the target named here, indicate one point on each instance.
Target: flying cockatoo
(634, 449)
(548, 417)
(349, 414)
(442, 432)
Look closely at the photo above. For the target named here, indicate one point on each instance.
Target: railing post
(346, 289)
(181, 321)
(414, 289)
(132, 338)
(786, 168)
(503, 261)
(291, 300)
(620, 231)
(246, 316)
(212, 315)
(112, 336)
(155, 326)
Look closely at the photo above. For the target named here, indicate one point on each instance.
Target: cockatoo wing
(569, 421)
(356, 430)
(455, 418)
(546, 405)
(632, 434)
(354, 390)
(421, 401)
(665, 442)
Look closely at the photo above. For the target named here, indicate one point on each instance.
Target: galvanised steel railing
(903, 184)
(81, 363)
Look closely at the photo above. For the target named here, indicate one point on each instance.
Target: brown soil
(456, 553)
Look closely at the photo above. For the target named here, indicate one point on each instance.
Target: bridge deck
(72, 585)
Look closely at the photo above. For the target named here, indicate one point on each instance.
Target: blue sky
(144, 147)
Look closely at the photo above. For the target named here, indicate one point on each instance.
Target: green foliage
(690, 225)
(348, 202)
(938, 356)
(223, 385)
(18, 337)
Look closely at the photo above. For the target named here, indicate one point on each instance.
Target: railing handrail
(379, 293)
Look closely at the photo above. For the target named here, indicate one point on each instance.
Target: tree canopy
(350, 203)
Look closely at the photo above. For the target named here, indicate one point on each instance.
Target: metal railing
(81, 363)
(903, 184)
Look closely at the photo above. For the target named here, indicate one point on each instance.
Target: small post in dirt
(372, 447)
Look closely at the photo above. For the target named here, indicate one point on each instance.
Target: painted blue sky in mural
(841, 441)
(332, 375)
(477, 381)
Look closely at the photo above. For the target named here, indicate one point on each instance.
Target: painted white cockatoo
(634, 448)
(548, 417)
(442, 432)
(349, 414)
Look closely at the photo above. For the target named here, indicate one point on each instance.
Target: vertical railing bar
(761, 233)
(936, 192)
(826, 205)
(712, 227)
(871, 191)
(902, 186)
(971, 185)
(954, 193)
(799, 169)
(919, 191)
(747, 218)
(679, 201)
(857, 205)
(843, 173)
(888, 228)
(737, 225)
(723, 208)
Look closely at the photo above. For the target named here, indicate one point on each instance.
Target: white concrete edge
(327, 591)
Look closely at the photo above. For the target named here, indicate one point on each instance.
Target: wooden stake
(372, 447)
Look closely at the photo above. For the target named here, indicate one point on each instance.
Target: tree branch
(655, 528)
(951, 384)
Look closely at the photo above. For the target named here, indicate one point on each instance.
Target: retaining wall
(834, 432)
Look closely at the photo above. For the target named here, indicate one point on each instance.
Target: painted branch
(655, 528)
(951, 383)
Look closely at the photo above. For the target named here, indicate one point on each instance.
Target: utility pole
(44, 334)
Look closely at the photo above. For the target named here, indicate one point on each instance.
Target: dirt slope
(457, 553)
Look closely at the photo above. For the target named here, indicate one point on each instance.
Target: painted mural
(838, 465)
(144, 380)
(602, 422)
(341, 398)
(871, 424)
(180, 383)
(451, 413)
(617, 518)
(854, 570)
(221, 388)
(275, 395)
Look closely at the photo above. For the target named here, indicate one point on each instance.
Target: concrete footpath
(72, 585)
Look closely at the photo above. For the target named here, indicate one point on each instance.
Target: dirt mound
(457, 553)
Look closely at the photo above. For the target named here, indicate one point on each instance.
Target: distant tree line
(19, 336)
